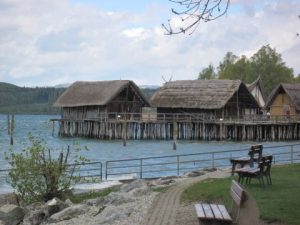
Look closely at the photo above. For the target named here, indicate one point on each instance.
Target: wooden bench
(215, 212)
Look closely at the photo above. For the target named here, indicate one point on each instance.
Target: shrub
(36, 175)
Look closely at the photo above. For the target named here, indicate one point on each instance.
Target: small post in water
(175, 131)
(11, 127)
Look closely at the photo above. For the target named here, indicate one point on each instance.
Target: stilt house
(93, 100)
(284, 100)
(211, 98)
(257, 90)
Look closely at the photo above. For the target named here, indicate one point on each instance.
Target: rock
(69, 213)
(133, 185)
(68, 202)
(164, 181)
(194, 173)
(39, 213)
(2, 223)
(210, 169)
(141, 191)
(112, 213)
(99, 202)
(9, 199)
(11, 214)
(118, 198)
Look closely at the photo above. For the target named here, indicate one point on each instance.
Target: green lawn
(279, 202)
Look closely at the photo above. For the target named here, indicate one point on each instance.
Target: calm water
(40, 125)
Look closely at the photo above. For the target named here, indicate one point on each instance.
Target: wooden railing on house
(186, 117)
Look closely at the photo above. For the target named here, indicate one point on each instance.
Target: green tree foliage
(269, 65)
(37, 176)
(207, 73)
(266, 62)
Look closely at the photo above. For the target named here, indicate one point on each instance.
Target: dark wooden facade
(94, 100)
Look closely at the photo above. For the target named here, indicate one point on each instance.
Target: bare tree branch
(194, 12)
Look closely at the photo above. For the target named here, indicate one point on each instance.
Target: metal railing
(152, 167)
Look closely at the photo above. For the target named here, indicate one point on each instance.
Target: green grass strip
(279, 202)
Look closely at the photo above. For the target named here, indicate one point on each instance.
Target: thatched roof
(292, 90)
(201, 94)
(258, 82)
(83, 93)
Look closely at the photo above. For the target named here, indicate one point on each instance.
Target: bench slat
(237, 188)
(224, 212)
(207, 210)
(216, 211)
(199, 211)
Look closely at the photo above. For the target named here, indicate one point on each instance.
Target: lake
(99, 150)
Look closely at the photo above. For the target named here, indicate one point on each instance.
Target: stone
(2, 223)
(194, 173)
(118, 198)
(133, 185)
(141, 191)
(69, 213)
(112, 213)
(39, 213)
(9, 199)
(11, 214)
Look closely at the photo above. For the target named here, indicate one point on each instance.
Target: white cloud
(51, 42)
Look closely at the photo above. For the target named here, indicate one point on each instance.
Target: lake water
(40, 125)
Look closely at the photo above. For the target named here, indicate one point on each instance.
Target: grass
(279, 202)
(78, 198)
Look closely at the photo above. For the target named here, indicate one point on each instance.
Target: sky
(47, 43)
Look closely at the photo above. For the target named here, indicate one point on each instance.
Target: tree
(269, 65)
(194, 12)
(207, 73)
(237, 69)
(36, 175)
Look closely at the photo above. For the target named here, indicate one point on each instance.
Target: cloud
(51, 42)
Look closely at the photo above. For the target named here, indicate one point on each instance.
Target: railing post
(141, 168)
(213, 160)
(292, 154)
(100, 171)
(177, 165)
(106, 165)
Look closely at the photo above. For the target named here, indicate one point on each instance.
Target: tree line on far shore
(266, 63)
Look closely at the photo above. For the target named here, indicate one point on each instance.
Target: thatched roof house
(284, 100)
(225, 98)
(257, 90)
(90, 99)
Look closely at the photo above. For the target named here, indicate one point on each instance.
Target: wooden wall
(281, 104)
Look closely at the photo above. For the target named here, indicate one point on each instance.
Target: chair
(254, 156)
(263, 170)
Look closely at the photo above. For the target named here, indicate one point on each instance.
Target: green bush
(37, 176)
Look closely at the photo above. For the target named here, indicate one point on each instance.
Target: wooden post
(124, 132)
(175, 131)
(8, 124)
(53, 124)
(11, 127)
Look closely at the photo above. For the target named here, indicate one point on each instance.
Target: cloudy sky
(50, 42)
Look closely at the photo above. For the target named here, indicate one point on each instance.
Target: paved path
(164, 209)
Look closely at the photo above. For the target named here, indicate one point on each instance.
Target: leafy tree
(266, 62)
(36, 175)
(207, 73)
(269, 65)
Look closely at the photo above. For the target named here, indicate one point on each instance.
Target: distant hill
(38, 100)
(23, 100)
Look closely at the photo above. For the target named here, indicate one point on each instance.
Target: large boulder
(111, 214)
(134, 184)
(118, 198)
(9, 199)
(11, 214)
(69, 213)
(38, 213)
